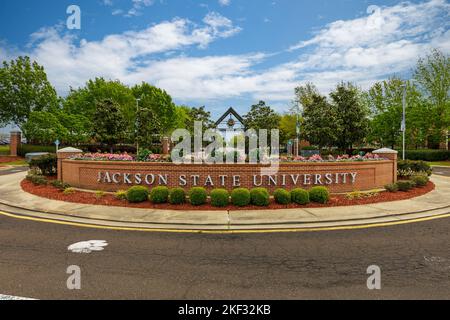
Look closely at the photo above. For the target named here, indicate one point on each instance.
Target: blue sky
(222, 53)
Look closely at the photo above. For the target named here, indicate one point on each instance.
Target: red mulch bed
(6, 159)
(51, 192)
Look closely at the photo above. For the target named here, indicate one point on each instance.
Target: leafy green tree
(288, 127)
(305, 95)
(83, 101)
(199, 114)
(24, 88)
(351, 115)
(262, 116)
(77, 126)
(44, 128)
(385, 100)
(110, 124)
(433, 75)
(320, 122)
(148, 127)
(159, 102)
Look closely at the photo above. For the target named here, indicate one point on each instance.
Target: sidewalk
(14, 200)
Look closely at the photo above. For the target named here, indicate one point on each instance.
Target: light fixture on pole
(137, 129)
(403, 125)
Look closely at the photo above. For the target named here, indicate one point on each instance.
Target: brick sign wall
(338, 177)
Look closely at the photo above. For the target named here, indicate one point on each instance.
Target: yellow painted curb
(355, 227)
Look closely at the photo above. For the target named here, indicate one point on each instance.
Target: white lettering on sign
(258, 180)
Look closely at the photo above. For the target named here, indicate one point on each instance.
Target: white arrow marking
(88, 246)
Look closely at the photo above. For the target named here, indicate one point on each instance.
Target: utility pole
(137, 129)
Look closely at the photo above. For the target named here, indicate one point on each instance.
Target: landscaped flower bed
(238, 158)
(56, 192)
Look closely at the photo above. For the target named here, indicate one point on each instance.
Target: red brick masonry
(337, 176)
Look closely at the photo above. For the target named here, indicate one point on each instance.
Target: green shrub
(428, 155)
(137, 194)
(260, 197)
(392, 187)
(198, 196)
(408, 168)
(99, 194)
(300, 196)
(60, 185)
(240, 197)
(159, 195)
(37, 180)
(121, 195)
(46, 164)
(177, 196)
(420, 180)
(220, 198)
(282, 196)
(69, 191)
(405, 185)
(143, 155)
(319, 195)
(27, 148)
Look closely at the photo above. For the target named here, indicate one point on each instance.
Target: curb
(329, 225)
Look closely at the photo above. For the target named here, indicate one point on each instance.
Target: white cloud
(137, 7)
(387, 40)
(224, 3)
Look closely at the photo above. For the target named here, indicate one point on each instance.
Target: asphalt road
(442, 171)
(12, 170)
(414, 261)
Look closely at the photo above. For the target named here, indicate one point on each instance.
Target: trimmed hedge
(428, 155)
(37, 180)
(121, 195)
(177, 196)
(198, 196)
(29, 148)
(137, 194)
(414, 167)
(47, 165)
(405, 185)
(159, 195)
(300, 196)
(319, 195)
(282, 196)
(260, 197)
(60, 185)
(220, 198)
(240, 197)
(392, 187)
(420, 181)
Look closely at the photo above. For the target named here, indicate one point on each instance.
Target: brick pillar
(165, 146)
(14, 143)
(65, 154)
(391, 155)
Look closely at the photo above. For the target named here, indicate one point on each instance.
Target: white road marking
(4, 297)
(88, 246)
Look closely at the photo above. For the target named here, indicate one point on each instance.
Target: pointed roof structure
(232, 112)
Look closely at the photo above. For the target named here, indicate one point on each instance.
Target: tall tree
(199, 114)
(44, 127)
(305, 95)
(351, 115)
(385, 100)
(288, 127)
(159, 102)
(148, 127)
(433, 75)
(24, 88)
(262, 116)
(320, 122)
(83, 101)
(110, 124)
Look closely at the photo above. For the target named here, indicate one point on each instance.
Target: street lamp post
(137, 111)
(403, 127)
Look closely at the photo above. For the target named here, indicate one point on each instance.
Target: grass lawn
(440, 163)
(18, 163)
(4, 150)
